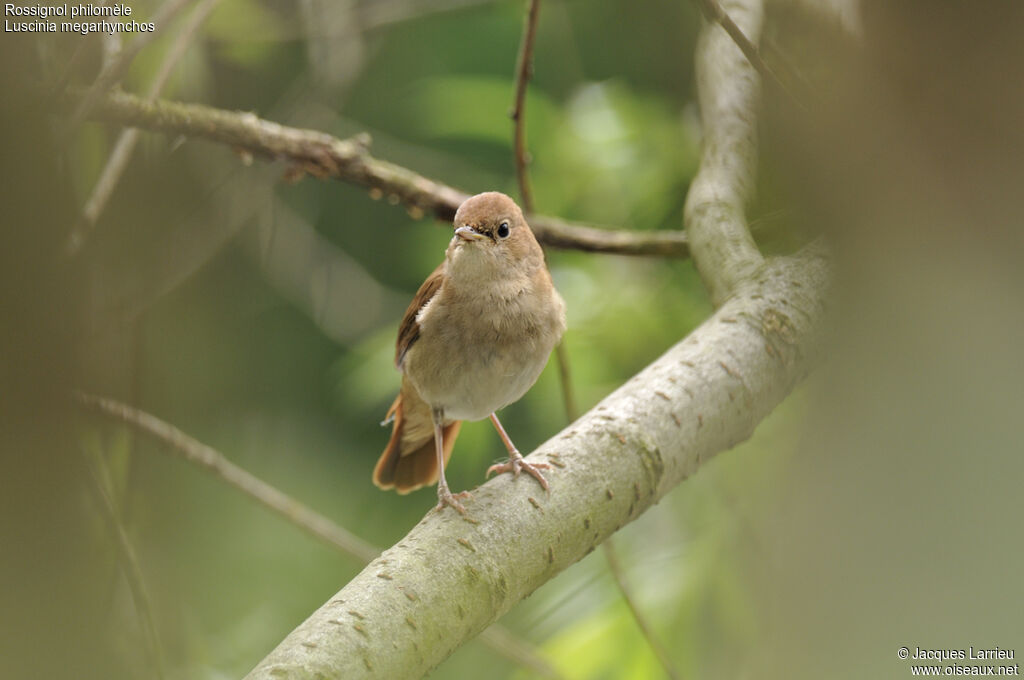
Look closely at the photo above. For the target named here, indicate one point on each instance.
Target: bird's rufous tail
(409, 460)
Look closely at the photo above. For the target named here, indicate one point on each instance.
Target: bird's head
(492, 239)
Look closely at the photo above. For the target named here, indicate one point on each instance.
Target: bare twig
(76, 56)
(565, 378)
(115, 70)
(127, 140)
(716, 14)
(524, 71)
(193, 451)
(322, 155)
(513, 648)
(196, 452)
(638, 616)
(129, 561)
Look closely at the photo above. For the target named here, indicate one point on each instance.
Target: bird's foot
(446, 497)
(516, 464)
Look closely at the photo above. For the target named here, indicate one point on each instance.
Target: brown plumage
(408, 462)
(473, 340)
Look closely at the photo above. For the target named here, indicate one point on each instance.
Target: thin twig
(323, 155)
(565, 378)
(524, 71)
(194, 451)
(503, 641)
(715, 13)
(116, 69)
(128, 138)
(129, 561)
(76, 56)
(641, 620)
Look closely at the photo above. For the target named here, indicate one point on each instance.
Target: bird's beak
(469, 234)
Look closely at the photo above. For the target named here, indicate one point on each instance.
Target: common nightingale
(474, 339)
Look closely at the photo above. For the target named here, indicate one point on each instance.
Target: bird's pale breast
(478, 354)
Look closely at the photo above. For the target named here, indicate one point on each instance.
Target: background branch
(322, 155)
(714, 12)
(212, 460)
(641, 620)
(524, 71)
(113, 72)
(128, 559)
(313, 523)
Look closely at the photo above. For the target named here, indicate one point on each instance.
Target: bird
(475, 338)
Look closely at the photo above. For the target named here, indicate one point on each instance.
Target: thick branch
(450, 577)
(729, 91)
(323, 155)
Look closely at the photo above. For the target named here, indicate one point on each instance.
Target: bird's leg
(516, 463)
(444, 494)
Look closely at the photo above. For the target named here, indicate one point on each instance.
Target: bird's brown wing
(409, 330)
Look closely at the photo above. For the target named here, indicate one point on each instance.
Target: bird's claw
(516, 464)
(446, 497)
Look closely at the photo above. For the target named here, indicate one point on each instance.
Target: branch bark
(323, 155)
(451, 577)
(715, 213)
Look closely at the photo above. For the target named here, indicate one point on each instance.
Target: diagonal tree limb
(728, 90)
(313, 523)
(322, 155)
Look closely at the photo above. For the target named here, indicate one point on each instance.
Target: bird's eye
(503, 230)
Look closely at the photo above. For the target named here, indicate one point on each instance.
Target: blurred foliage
(171, 315)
